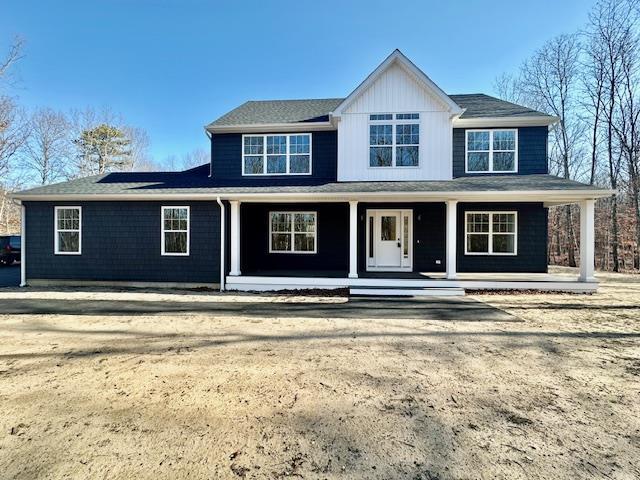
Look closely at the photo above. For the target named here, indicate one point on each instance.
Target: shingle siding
(332, 239)
(532, 240)
(121, 242)
(532, 152)
(226, 162)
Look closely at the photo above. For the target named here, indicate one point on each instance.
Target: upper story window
(276, 154)
(175, 231)
(68, 230)
(394, 140)
(492, 151)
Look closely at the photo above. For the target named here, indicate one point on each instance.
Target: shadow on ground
(460, 309)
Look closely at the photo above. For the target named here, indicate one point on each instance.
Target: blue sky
(171, 66)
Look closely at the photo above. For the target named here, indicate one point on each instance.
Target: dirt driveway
(97, 384)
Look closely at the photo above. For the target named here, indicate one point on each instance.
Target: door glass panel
(388, 228)
(405, 232)
(370, 237)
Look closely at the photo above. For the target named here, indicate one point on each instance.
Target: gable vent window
(276, 154)
(394, 140)
(492, 151)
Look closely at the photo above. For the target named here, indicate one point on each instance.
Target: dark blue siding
(226, 162)
(532, 240)
(121, 242)
(332, 240)
(532, 152)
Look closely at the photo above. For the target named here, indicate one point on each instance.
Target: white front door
(389, 238)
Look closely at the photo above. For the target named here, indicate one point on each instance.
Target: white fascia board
(419, 75)
(488, 122)
(547, 196)
(272, 127)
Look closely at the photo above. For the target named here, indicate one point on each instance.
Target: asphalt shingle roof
(197, 182)
(278, 111)
(477, 105)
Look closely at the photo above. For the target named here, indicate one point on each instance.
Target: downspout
(222, 243)
(210, 137)
(23, 243)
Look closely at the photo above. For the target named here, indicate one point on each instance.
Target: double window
(175, 231)
(68, 231)
(491, 233)
(394, 140)
(276, 154)
(292, 232)
(492, 151)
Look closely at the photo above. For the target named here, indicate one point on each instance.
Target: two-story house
(397, 188)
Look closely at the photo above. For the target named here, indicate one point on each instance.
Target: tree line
(590, 80)
(40, 146)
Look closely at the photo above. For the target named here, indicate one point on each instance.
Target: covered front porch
(399, 243)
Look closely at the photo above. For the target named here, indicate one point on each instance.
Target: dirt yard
(120, 385)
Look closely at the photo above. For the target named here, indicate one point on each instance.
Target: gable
(396, 85)
(395, 90)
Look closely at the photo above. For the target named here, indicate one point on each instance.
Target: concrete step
(406, 292)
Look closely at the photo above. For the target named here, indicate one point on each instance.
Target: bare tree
(14, 54)
(612, 38)
(47, 149)
(139, 149)
(547, 81)
(194, 158)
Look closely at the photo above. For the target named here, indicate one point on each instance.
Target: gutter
(271, 127)
(486, 122)
(462, 195)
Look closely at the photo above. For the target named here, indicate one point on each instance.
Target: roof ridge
(296, 99)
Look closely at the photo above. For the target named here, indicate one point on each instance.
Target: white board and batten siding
(395, 91)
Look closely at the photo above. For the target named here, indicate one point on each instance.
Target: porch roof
(193, 184)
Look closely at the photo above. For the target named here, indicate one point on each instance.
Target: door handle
(398, 244)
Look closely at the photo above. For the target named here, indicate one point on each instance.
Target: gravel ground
(129, 384)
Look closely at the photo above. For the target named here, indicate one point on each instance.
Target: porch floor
(291, 280)
(491, 276)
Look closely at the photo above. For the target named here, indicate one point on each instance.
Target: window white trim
(394, 121)
(163, 231)
(288, 154)
(490, 233)
(56, 243)
(291, 232)
(491, 150)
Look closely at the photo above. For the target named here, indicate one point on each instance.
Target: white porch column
(587, 240)
(353, 239)
(235, 237)
(452, 220)
(23, 247)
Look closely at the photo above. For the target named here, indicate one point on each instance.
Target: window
(175, 231)
(491, 233)
(394, 143)
(276, 154)
(68, 230)
(292, 232)
(492, 151)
